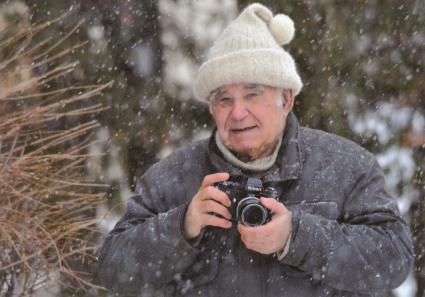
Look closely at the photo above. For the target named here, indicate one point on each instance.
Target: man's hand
(271, 237)
(205, 204)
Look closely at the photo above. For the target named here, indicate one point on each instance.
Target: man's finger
(217, 195)
(212, 220)
(256, 231)
(250, 231)
(213, 207)
(273, 205)
(211, 179)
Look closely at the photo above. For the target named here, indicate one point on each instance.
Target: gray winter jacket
(348, 238)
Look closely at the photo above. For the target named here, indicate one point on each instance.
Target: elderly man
(328, 228)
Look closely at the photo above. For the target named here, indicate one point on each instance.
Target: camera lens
(251, 213)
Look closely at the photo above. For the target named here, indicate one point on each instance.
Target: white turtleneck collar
(255, 165)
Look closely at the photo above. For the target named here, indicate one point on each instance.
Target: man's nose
(239, 110)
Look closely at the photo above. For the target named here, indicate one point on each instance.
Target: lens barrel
(250, 212)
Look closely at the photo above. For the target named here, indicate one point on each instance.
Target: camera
(245, 194)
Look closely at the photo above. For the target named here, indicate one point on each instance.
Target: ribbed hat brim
(271, 67)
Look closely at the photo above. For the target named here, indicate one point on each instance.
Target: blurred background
(362, 64)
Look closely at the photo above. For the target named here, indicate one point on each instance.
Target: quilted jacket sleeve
(146, 249)
(368, 249)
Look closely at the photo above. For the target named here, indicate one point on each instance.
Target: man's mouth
(242, 130)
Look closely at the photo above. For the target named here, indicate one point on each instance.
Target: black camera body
(244, 195)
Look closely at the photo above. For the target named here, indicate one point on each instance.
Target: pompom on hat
(250, 50)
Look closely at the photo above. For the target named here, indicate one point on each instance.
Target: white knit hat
(249, 51)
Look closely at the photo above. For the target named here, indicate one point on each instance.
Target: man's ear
(288, 95)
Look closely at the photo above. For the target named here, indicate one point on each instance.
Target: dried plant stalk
(47, 203)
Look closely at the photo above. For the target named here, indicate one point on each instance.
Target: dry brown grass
(47, 203)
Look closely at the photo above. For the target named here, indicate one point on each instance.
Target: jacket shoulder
(184, 159)
(317, 141)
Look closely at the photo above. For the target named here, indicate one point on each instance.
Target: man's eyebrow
(217, 93)
(255, 87)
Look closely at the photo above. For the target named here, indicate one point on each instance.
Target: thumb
(273, 205)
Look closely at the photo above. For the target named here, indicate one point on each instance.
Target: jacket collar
(290, 155)
(288, 162)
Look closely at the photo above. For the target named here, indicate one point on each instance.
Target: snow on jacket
(348, 238)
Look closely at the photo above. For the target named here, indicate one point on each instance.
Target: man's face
(250, 118)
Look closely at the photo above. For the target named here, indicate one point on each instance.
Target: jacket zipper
(238, 289)
(262, 276)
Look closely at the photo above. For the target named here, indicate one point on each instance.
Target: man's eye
(224, 101)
